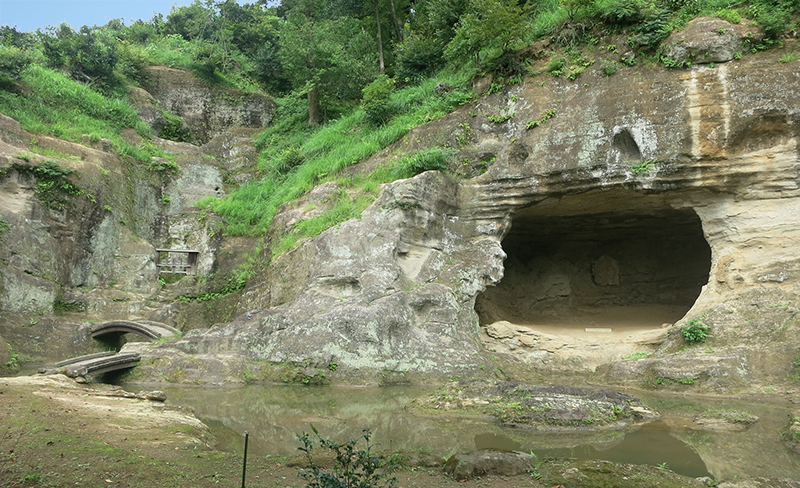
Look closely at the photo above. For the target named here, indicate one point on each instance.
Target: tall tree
(324, 54)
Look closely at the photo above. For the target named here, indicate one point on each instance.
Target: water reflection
(274, 415)
(650, 444)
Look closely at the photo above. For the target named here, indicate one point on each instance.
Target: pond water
(275, 414)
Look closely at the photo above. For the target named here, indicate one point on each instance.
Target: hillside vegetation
(350, 77)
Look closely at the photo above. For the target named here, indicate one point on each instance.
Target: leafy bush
(289, 158)
(89, 54)
(353, 468)
(12, 61)
(695, 331)
(620, 12)
(731, 15)
(417, 58)
(174, 130)
(376, 100)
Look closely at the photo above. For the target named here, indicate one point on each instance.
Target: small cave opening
(598, 269)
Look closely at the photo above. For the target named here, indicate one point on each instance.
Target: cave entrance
(578, 269)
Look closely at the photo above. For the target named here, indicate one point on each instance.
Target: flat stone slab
(598, 330)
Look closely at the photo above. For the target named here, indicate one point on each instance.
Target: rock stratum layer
(670, 192)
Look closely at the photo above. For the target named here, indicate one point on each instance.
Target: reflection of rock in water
(497, 442)
(652, 444)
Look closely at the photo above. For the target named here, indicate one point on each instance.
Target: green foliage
(60, 107)
(435, 158)
(637, 355)
(165, 167)
(695, 331)
(52, 185)
(13, 363)
(60, 306)
(609, 67)
(354, 467)
(377, 100)
(90, 54)
(644, 166)
(174, 130)
(620, 12)
(12, 61)
(4, 226)
(547, 115)
(573, 7)
(250, 209)
(487, 31)
(788, 57)
(731, 15)
(501, 118)
(556, 65)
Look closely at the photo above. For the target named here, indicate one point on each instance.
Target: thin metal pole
(244, 464)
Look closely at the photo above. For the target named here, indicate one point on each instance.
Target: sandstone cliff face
(93, 258)
(207, 111)
(669, 192)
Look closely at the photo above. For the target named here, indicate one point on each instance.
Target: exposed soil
(57, 433)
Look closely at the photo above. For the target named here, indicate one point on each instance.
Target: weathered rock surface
(549, 408)
(94, 255)
(791, 434)
(672, 191)
(207, 111)
(489, 462)
(710, 40)
(600, 474)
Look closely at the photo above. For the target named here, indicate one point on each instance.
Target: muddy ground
(57, 433)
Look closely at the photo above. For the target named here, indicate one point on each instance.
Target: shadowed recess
(634, 267)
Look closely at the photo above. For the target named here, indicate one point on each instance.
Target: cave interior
(641, 264)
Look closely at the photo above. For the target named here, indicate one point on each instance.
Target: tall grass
(327, 151)
(61, 107)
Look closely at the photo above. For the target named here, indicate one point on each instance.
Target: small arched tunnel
(567, 271)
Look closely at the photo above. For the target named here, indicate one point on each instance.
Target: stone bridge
(151, 330)
(94, 364)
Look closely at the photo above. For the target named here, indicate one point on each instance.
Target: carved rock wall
(397, 289)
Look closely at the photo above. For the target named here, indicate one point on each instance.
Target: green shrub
(165, 167)
(353, 468)
(376, 100)
(609, 67)
(555, 65)
(12, 61)
(695, 331)
(731, 15)
(174, 129)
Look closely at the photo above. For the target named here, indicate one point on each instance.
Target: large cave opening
(576, 269)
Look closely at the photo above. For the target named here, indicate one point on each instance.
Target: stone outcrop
(489, 462)
(669, 190)
(711, 40)
(206, 111)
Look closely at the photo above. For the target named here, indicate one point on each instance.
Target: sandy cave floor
(585, 337)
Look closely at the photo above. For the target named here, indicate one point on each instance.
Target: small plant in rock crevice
(695, 331)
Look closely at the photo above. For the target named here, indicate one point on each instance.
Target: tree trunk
(313, 107)
(398, 26)
(380, 39)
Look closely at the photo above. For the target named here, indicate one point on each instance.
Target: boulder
(709, 40)
(489, 462)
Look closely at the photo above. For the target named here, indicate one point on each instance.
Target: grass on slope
(60, 107)
(294, 161)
